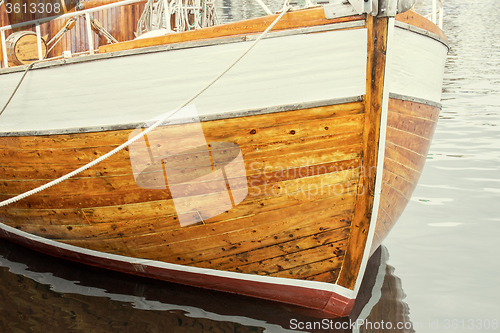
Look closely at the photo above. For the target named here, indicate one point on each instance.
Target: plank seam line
(207, 225)
(410, 133)
(386, 198)
(386, 170)
(412, 116)
(312, 262)
(388, 215)
(406, 166)
(277, 244)
(406, 149)
(398, 191)
(284, 255)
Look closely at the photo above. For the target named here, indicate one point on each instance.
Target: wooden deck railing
(83, 13)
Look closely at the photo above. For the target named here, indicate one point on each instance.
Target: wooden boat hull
(321, 191)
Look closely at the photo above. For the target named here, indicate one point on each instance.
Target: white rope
(28, 67)
(143, 133)
(157, 15)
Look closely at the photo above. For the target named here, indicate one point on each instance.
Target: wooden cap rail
(292, 20)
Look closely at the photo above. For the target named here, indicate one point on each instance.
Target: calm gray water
(443, 252)
(445, 247)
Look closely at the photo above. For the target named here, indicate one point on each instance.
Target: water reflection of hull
(332, 142)
(79, 298)
(380, 299)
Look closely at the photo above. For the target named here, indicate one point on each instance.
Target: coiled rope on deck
(149, 129)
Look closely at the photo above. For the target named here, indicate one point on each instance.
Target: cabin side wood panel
(302, 170)
(411, 126)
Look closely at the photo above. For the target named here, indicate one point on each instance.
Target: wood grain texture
(291, 20)
(410, 129)
(417, 20)
(302, 170)
(75, 40)
(377, 46)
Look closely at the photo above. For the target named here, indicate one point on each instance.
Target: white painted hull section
(417, 67)
(130, 89)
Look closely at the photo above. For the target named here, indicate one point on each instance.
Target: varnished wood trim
(376, 65)
(292, 20)
(416, 20)
(422, 32)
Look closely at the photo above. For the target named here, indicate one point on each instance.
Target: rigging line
(149, 129)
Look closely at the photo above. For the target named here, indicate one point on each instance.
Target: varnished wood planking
(243, 130)
(282, 262)
(417, 126)
(83, 191)
(411, 126)
(122, 218)
(100, 179)
(255, 226)
(233, 241)
(154, 241)
(156, 206)
(19, 164)
(283, 242)
(323, 270)
(328, 276)
(294, 245)
(403, 171)
(417, 20)
(376, 50)
(292, 20)
(401, 185)
(241, 250)
(414, 109)
(407, 140)
(324, 143)
(406, 157)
